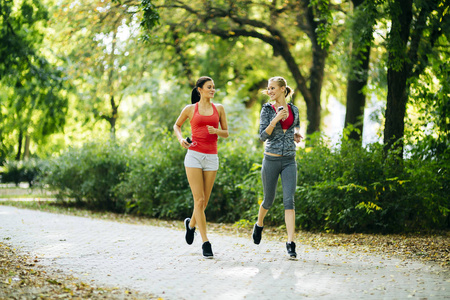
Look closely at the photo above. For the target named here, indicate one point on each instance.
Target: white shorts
(206, 162)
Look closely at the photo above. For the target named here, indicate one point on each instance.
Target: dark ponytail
(195, 94)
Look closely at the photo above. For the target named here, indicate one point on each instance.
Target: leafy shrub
(156, 185)
(352, 189)
(22, 171)
(13, 172)
(89, 174)
(428, 188)
(345, 189)
(237, 184)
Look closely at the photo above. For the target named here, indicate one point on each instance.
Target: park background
(90, 91)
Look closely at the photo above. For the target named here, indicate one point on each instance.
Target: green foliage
(89, 174)
(154, 118)
(105, 61)
(22, 171)
(360, 35)
(32, 103)
(238, 158)
(417, 31)
(428, 125)
(13, 173)
(352, 189)
(427, 193)
(324, 18)
(150, 16)
(156, 185)
(344, 189)
(19, 34)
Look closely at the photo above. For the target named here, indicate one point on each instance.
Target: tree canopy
(33, 102)
(64, 63)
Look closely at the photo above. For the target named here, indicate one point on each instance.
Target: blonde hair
(281, 82)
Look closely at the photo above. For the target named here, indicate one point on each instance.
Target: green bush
(156, 184)
(90, 174)
(343, 189)
(238, 181)
(22, 171)
(352, 189)
(428, 190)
(13, 172)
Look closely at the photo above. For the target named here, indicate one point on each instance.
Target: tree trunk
(113, 119)
(358, 75)
(398, 72)
(356, 99)
(19, 148)
(26, 150)
(315, 87)
(395, 111)
(114, 108)
(319, 56)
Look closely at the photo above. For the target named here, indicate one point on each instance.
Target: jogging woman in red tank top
(201, 161)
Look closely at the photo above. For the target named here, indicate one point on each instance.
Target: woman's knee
(200, 203)
(289, 203)
(267, 204)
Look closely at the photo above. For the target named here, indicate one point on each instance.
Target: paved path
(157, 260)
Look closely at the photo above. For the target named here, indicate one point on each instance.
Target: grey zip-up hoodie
(278, 142)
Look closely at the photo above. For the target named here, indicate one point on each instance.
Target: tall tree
(32, 105)
(416, 26)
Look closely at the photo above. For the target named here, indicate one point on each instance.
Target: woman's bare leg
(289, 218)
(261, 215)
(201, 183)
(208, 182)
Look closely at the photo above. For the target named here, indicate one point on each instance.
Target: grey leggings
(272, 168)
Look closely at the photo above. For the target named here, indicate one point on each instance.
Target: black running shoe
(189, 232)
(257, 234)
(207, 250)
(291, 250)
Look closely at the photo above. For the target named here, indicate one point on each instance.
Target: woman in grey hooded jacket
(280, 130)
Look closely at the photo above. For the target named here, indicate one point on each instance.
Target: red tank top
(205, 142)
(289, 121)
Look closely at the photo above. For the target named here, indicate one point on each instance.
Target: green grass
(24, 193)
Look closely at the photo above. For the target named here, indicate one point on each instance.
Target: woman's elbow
(226, 134)
(263, 136)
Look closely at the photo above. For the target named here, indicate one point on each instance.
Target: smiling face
(208, 90)
(275, 91)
